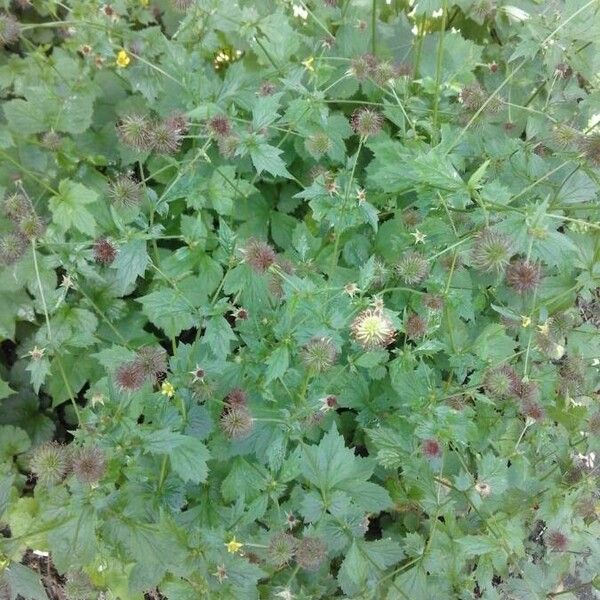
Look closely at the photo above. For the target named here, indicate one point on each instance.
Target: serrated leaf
(168, 310)
(69, 207)
(267, 158)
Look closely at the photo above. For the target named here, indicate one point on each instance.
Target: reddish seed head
(219, 126)
(415, 327)
(433, 302)
(178, 121)
(526, 391)
(431, 448)
(533, 410)
(523, 276)
(331, 402)
(104, 252)
(258, 255)
(88, 464)
(266, 88)
(556, 541)
(237, 397)
(130, 376)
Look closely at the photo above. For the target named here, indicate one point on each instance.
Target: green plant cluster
(299, 299)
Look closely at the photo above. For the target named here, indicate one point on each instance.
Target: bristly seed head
(10, 30)
(366, 122)
(318, 144)
(88, 464)
(15, 206)
(523, 276)
(165, 137)
(152, 361)
(412, 268)
(415, 326)
(431, 448)
(310, 553)
(319, 354)
(500, 383)
(12, 247)
(373, 329)
(258, 255)
(590, 146)
(219, 126)
(237, 397)
(49, 463)
(125, 191)
(281, 549)
(31, 226)
(134, 131)
(236, 422)
(556, 541)
(130, 376)
(492, 251)
(104, 251)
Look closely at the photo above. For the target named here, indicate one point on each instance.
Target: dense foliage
(299, 300)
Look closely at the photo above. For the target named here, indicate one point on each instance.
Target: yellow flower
(309, 64)
(144, 2)
(123, 59)
(167, 389)
(544, 329)
(233, 546)
(525, 321)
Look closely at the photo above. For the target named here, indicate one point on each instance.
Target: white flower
(437, 13)
(300, 11)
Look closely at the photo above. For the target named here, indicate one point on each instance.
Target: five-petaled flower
(167, 389)
(233, 546)
(123, 59)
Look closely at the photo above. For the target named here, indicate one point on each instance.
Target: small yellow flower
(167, 389)
(525, 321)
(309, 64)
(144, 2)
(544, 329)
(233, 546)
(123, 59)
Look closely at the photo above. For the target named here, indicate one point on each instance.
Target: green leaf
(131, 263)
(189, 458)
(277, 364)
(13, 441)
(267, 158)
(69, 207)
(365, 563)
(168, 310)
(25, 582)
(24, 117)
(219, 335)
(5, 390)
(6, 483)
